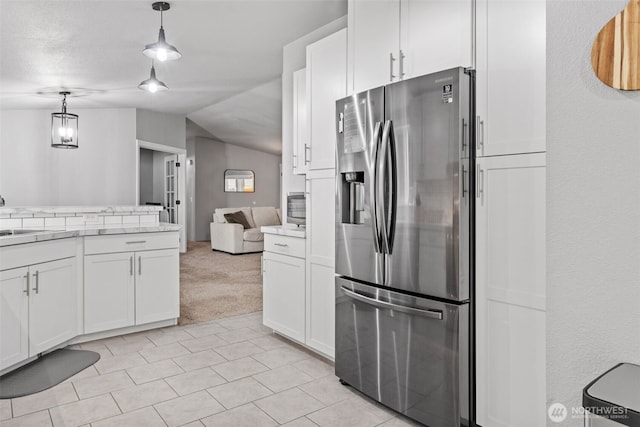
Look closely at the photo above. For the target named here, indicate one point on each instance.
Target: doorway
(161, 180)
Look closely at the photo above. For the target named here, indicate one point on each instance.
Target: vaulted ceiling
(95, 47)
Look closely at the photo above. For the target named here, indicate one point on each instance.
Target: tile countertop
(89, 230)
(285, 230)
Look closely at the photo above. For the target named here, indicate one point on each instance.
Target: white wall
(294, 57)
(593, 191)
(161, 128)
(212, 158)
(101, 171)
(191, 189)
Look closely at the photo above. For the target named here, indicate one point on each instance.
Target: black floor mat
(45, 372)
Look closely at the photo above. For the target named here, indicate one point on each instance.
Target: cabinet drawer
(35, 253)
(130, 242)
(286, 245)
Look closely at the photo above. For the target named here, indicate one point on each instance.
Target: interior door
(424, 135)
(171, 188)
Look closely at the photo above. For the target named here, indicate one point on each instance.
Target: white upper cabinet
(435, 35)
(374, 42)
(326, 83)
(391, 40)
(300, 132)
(511, 83)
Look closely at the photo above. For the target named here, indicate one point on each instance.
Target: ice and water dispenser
(352, 197)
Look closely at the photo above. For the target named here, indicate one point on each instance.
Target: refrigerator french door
(403, 208)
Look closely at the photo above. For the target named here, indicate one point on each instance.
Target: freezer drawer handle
(433, 314)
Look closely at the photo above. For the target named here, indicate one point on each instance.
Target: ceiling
(94, 47)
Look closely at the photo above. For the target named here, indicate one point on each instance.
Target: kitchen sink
(18, 232)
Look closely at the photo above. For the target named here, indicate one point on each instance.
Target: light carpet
(216, 284)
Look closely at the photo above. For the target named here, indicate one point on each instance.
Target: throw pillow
(237, 218)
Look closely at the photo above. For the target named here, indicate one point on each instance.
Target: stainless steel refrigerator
(403, 209)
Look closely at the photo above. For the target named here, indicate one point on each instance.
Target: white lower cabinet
(109, 293)
(298, 295)
(38, 309)
(130, 288)
(53, 304)
(157, 289)
(14, 316)
(510, 291)
(284, 294)
(321, 309)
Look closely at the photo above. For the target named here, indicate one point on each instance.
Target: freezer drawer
(409, 353)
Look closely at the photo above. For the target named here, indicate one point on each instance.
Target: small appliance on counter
(296, 208)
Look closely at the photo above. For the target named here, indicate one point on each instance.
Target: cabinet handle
(36, 275)
(131, 265)
(307, 159)
(139, 266)
(26, 290)
(391, 61)
(464, 136)
(284, 245)
(136, 241)
(262, 265)
(464, 180)
(401, 64)
(480, 128)
(480, 185)
(294, 161)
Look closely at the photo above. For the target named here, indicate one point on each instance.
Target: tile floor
(227, 372)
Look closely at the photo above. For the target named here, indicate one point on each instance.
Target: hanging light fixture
(152, 84)
(161, 50)
(64, 127)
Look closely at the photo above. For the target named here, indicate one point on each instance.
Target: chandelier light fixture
(152, 84)
(161, 50)
(64, 127)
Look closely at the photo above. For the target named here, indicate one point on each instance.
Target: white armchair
(233, 238)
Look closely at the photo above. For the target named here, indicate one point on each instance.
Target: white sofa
(233, 238)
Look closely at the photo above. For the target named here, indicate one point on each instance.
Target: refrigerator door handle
(432, 314)
(387, 187)
(373, 203)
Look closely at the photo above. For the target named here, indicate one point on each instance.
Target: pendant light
(152, 84)
(64, 127)
(161, 50)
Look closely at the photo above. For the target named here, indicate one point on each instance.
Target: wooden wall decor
(615, 55)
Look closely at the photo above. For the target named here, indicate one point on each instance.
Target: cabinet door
(326, 83)
(511, 82)
(435, 35)
(374, 40)
(321, 309)
(157, 285)
(510, 290)
(284, 294)
(300, 133)
(14, 316)
(53, 304)
(109, 291)
(320, 263)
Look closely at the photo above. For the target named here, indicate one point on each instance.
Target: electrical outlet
(90, 218)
